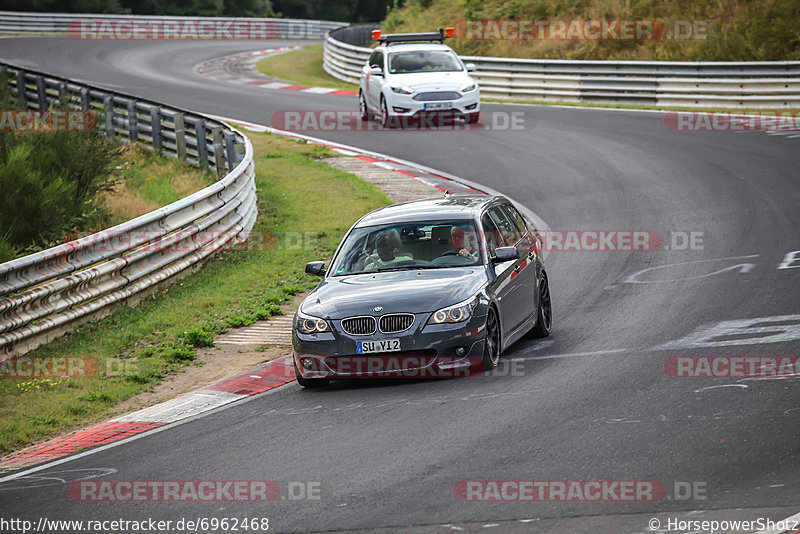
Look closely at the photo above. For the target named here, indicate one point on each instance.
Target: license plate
(382, 345)
(438, 106)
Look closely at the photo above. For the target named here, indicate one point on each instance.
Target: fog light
(307, 363)
(472, 106)
(460, 351)
(400, 110)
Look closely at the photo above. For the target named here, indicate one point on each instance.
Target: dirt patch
(212, 364)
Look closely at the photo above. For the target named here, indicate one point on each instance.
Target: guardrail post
(133, 122)
(41, 93)
(62, 93)
(216, 139)
(108, 106)
(230, 150)
(155, 124)
(85, 104)
(21, 92)
(180, 136)
(202, 147)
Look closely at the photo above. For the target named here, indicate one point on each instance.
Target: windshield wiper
(414, 268)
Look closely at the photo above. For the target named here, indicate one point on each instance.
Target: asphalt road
(591, 402)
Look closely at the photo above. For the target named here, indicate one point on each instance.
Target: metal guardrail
(59, 23)
(48, 293)
(767, 84)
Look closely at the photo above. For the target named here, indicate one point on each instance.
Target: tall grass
(738, 30)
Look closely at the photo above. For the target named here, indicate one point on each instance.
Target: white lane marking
(792, 522)
(345, 152)
(50, 479)
(568, 355)
(318, 90)
(722, 386)
(709, 336)
(184, 406)
(141, 435)
(789, 259)
(275, 85)
(742, 267)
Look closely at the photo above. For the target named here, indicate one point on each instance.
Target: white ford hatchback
(410, 74)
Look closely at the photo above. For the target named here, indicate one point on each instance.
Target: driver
(386, 244)
(464, 242)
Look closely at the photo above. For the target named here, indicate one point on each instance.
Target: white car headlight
(467, 87)
(307, 324)
(404, 90)
(455, 313)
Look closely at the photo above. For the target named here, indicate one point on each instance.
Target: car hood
(443, 81)
(420, 291)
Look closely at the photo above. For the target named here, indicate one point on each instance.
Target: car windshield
(408, 246)
(423, 61)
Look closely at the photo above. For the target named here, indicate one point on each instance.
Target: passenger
(386, 244)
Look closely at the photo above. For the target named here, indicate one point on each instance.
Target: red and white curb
(440, 180)
(427, 176)
(240, 68)
(253, 382)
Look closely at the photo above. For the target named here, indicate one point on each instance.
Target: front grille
(396, 322)
(438, 95)
(359, 326)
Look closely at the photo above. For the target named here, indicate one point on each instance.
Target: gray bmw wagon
(431, 288)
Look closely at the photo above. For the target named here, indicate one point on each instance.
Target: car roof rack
(429, 37)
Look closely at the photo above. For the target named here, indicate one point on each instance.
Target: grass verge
(303, 67)
(305, 204)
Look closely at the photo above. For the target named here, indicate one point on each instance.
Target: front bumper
(426, 351)
(468, 103)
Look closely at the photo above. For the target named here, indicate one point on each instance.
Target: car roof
(415, 46)
(430, 209)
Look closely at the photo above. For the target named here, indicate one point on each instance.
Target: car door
(525, 242)
(374, 84)
(505, 287)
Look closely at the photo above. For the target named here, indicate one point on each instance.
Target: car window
(423, 61)
(515, 216)
(409, 246)
(509, 235)
(491, 233)
(376, 59)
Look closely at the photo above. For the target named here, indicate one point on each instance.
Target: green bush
(198, 337)
(49, 183)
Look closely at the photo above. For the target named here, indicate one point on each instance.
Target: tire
(384, 114)
(491, 348)
(363, 110)
(310, 383)
(544, 311)
(473, 118)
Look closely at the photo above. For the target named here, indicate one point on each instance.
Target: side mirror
(376, 71)
(471, 67)
(315, 268)
(502, 254)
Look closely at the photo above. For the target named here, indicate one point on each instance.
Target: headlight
(306, 324)
(467, 87)
(404, 90)
(455, 313)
